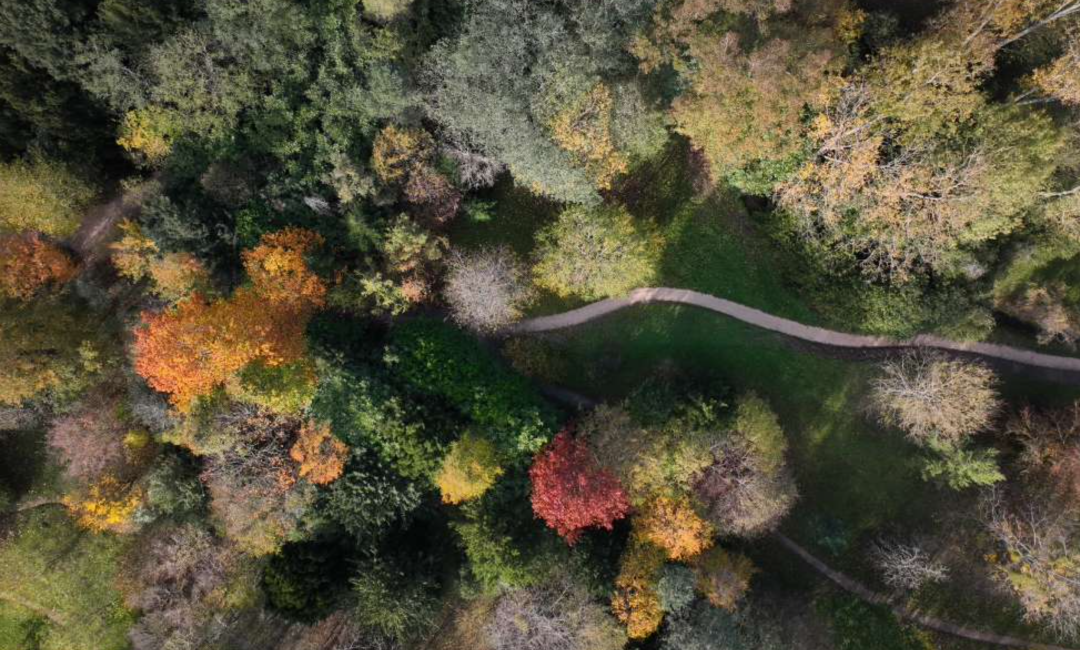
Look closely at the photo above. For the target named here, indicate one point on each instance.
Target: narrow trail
(99, 223)
(793, 329)
(861, 591)
(865, 593)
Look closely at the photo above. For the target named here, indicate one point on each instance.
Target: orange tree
(28, 263)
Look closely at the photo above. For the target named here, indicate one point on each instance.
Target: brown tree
(933, 398)
(486, 290)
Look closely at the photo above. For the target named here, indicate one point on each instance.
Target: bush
(438, 360)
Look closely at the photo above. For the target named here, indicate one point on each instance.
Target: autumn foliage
(197, 346)
(471, 467)
(280, 273)
(673, 525)
(572, 492)
(107, 505)
(321, 456)
(636, 601)
(29, 263)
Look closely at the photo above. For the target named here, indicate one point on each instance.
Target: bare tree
(557, 616)
(1039, 556)
(89, 441)
(486, 290)
(933, 398)
(474, 170)
(906, 566)
(741, 496)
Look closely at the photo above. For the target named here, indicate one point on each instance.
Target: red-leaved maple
(571, 491)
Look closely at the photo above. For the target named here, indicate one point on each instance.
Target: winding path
(870, 596)
(791, 328)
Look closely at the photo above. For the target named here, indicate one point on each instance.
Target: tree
(676, 588)
(42, 196)
(906, 566)
(571, 492)
(255, 487)
(439, 360)
(321, 456)
(180, 579)
(935, 399)
(370, 496)
(46, 346)
(747, 489)
(108, 504)
(674, 526)
(288, 388)
(469, 469)
(189, 350)
(1051, 448)
(559, 615)
(90, 439)
(486, 290)
(723, 577)
(281, 275)
(148, 133)
(594, 253)
(1039, 556)
(961, 467)
(583, 127)
(398, 151)
(29, 264)
(385, 10)
(636, 601)
(1059, 79)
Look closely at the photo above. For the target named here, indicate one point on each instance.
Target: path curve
(865, 593)
(787, 327)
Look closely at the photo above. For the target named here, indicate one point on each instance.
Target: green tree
(595, 253)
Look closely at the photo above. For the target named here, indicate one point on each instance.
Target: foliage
(42, 196)
(148, 132)
(175, 276)
(365, 411)
(173, 488)
(320, 456)
(398, 150)
(676, 588)
(583, 129)
(961, 468)
(559, 615)
(106, 505)
(287, 388)
(388, 602)
(369, 497)
(674, 526)
(1051, 448)
(195, 347)
(856, 624)
(723, 577)
(90, 439)
(281, 275)
(486, 290)
(46, 346)
(934, 399)
(468, 470)
(304, 580)
(61, 570)
(571, 492)
(439, 360)
(636, 601)
(29, 264)
(595, 253)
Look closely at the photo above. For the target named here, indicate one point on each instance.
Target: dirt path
(100, 222)
(857, 588)
(790, 328)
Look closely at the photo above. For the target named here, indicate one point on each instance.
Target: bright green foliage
(287, 388)
(961, 467)
(439, 360)
(595, 253)
(41, 195)
(51, 569)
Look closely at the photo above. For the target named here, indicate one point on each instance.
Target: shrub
(595, 253)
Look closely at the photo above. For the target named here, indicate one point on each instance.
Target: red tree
(570, 491)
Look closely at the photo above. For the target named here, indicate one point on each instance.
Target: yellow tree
(674, 526)
(41, 195)
(469, 470)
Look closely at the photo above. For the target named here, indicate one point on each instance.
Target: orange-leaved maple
(29, 262)
(280, 273)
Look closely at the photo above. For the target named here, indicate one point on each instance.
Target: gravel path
(870, 596)
(790, 328)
